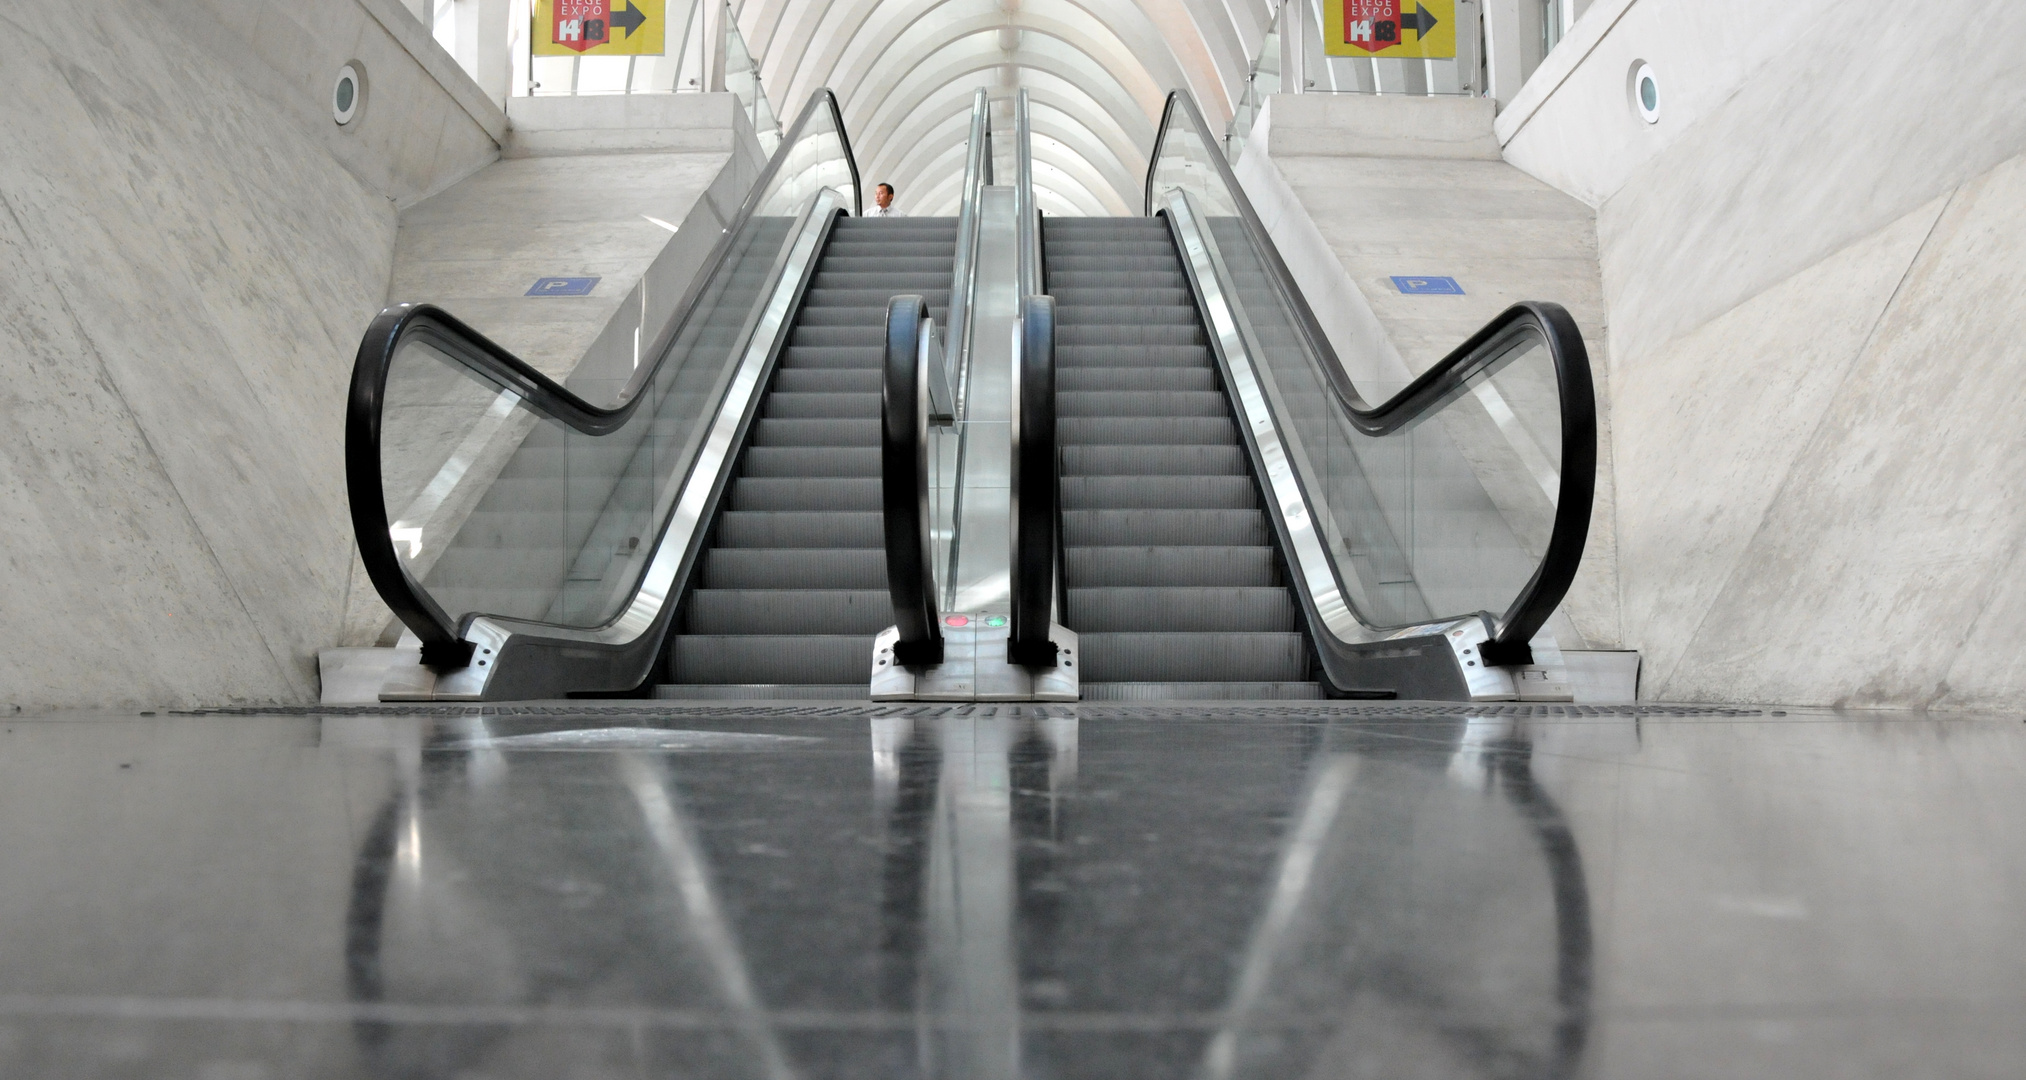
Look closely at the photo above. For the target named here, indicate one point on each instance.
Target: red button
(957, 620)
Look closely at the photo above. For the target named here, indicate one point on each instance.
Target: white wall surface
(189, 249)
(1812, 266)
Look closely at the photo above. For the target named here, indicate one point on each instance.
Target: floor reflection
(997, 895)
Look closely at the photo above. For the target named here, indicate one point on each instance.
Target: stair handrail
(442, 639)
(964, 271)
(1442, 383)
(904, 483)
(1036, 508)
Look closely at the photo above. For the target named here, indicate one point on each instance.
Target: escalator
(1248, 513)
(990, 458)
(1171, 569)
(793, 586)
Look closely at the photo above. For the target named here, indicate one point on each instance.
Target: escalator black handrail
(1035, 487)
(1442, 383)
(904, 485)
(442, 644)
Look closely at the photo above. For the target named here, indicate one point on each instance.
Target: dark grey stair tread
(828, 380)
(1187, 657)
(1087, 379)
(810, 461)
(865, 357)
(1090, 567)
(1121, 528)
(1248, 610)
(801, 529)
(1133, 316)
(1067, 333)
(1153, 492)
(861, 336)
(772, 658)
(1070, 355)
(799, 406)
(789, 611)
(1201, 691)
(1122, 295)
(1140, 403)
(769, 432)
(1158, 460)
(858, 691)
(850, 493)
(795, 568)
(1144, 431)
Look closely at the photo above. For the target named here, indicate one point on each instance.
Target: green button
(996, 620)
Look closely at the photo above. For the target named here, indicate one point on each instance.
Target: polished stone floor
(595, 890)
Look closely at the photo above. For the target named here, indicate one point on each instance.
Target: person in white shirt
(882, 202)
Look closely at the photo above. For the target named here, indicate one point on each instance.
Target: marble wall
(1812, 265)
(189, 248)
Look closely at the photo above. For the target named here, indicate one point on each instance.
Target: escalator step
(818, 432)
(1149, 492)
(805, 462)
(772, 658)
(1170, 566)
(794, 568)
(801, 529)
(1069, 333)
(828, 381)
(790, 611)
(1142, 431)
(1153, 461)
(863, 337)
(1246, 610)
(1177, 528)
(795, 406)
(805, 493)
(1119, 355)
(1078, 380)
(1193, 657)
(1121, 403)
(834, 357)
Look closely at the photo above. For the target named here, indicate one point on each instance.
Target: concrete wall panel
(1799, 517)
(1873, 577)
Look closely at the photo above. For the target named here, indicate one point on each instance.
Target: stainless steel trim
(686, 509)
(977, 162)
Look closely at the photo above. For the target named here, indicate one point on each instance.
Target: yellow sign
(600, 27)
(1407, 29)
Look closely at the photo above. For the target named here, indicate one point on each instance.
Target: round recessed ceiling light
(347, 94)
(1645, 88)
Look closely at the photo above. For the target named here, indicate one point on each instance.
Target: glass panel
(501, 511)
(1263, 79)
(742, 77)
(1448, 516)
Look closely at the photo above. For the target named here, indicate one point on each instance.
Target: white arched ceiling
(1096, 72)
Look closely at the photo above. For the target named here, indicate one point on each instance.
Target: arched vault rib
(981, 53)
(1055, 108)
(878, 70)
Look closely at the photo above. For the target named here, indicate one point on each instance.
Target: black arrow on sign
(1420, 22)
(632, 18)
